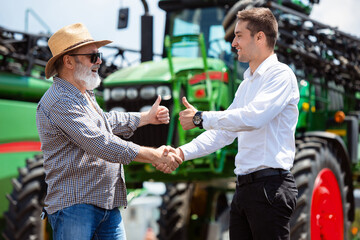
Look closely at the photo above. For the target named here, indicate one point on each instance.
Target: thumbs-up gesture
(186, 116)
(158, 114)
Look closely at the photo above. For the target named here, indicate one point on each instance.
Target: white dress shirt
(263, 116)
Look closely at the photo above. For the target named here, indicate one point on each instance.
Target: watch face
(197, 120)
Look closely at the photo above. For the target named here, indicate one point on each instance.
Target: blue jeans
(86, 222)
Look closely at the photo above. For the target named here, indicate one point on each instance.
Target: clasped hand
(170, 159)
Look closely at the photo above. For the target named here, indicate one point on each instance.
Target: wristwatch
(197, 119)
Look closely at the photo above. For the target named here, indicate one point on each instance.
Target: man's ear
(68, 62)
(260, 36)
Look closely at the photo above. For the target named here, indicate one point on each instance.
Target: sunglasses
(93, 56)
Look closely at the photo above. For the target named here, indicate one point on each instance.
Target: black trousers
(261, 208)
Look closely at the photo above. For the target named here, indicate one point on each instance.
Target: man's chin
(243, 60)
(93, 86)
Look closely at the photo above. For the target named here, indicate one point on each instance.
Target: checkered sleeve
(78, 127)
(123, 124)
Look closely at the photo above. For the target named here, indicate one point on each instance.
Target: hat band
(76, 44)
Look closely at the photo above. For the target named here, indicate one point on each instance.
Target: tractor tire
(175, 212)
(322, 207)
(22, 219)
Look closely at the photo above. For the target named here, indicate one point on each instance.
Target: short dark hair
(260, 19)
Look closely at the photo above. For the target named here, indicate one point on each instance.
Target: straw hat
(67, 39)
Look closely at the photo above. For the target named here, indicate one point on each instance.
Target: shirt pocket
(97, 119)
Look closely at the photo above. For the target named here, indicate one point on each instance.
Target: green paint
(22, 87)
(157, 71)
(18, 121)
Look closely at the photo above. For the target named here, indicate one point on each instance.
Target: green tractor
(22, 84)
(198, 62)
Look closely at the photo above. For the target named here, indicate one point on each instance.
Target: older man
(82, 157)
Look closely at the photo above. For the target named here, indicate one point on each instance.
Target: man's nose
(233, 44)
(98, 61)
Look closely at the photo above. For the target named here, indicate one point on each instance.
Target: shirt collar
(68, 86)
(269, 61)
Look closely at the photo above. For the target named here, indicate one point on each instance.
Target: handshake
(170, 159)
(166, 158)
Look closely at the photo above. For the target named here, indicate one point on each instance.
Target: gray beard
(84, 76)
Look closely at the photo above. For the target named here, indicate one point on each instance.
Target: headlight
(131, 93)
(145, 108)
(118, 94)
(106, 94)
(147, 92)
(164, 92)
(118, 109)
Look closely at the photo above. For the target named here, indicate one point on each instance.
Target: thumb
(157, 102)
(166, 151)
(186, 103)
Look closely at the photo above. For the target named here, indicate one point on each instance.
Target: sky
(100, 17)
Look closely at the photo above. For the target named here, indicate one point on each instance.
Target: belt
(268, 172)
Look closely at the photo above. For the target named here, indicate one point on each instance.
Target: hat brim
(50, 70)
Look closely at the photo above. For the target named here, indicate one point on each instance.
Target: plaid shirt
(82, 156)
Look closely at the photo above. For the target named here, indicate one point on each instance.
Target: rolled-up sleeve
(123, 124)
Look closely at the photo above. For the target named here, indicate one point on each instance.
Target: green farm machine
(199, 63)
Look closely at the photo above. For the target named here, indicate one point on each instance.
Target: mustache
(95, 66)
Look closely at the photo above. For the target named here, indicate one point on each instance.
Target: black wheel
(322, 208)
(193, 211)
(26, 202)
(175, 212)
